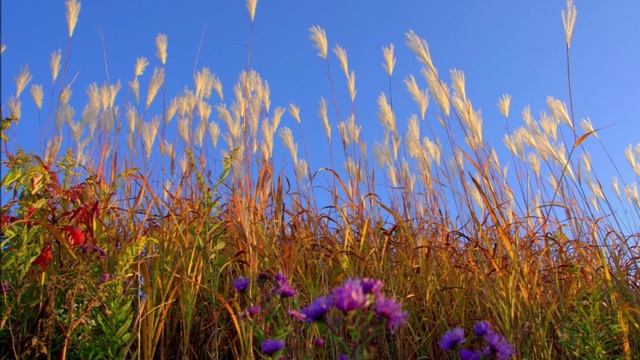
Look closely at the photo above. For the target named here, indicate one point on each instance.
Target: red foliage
(44, 258)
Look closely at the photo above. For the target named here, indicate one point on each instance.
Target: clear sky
(503, 46)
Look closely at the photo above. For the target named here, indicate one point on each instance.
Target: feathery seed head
(251, 8)
(569, 21)
(157, 79)
(559, 110)
(54, 64)
(319, 38)
(351, 82)
(214, 133)
(419, 96)
(503, 105)
(616, 186)
(141, 65)
(412, 140)
(161, 48)
(287, 138)
(149, 130)
(389, 59)
(37, 94)
(73, 10)
(341, 54)
(294, 111)
(15, 108)
(587, 127)
(325, 118)
(134, 85)
(385, 114)
(421, 49)
(23, 78)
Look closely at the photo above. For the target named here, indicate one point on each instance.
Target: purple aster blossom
(349, 296)
(254, 310)
(372, 286)
(271, 346)
(286, 290)
(317, 309)
(392, 311)
(481, 328)
(241, 284)
(318, 342)
(467, 354)
(281, 278)
(297, 315)
(451, 339)
(343, 357)
(498, 346)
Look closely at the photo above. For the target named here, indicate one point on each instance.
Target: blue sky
(502, 46)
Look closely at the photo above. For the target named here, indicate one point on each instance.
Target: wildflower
(481, 328)
(466, 354)
(392, 311)
(451, 339)
(271, 346)
(349, 296)
(498, 346)
(44, 258)
(241, 284)
(284, 289)
(343, 357)
(371, 286)
(254, 310)
(318, 342)
(317, 309)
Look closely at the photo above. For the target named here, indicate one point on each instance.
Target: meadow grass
(125, 239)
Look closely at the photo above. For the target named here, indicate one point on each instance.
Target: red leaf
(44, 258)
(75, 236)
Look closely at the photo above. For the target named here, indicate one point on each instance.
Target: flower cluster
(355, 295)
(493, 345)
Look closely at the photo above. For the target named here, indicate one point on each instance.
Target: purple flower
(466, 354)
(271, 346)
(280, 277)
(498, 346)
(254, 310)
(317, 309)
(343, 357)
(481, 328)
(318, 342)
(371, 286)
(241, 284)
(451, 339)
(392, 311)
(104, 277)
(286, 290)
(349, 296)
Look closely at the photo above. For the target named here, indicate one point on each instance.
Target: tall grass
(113, 249)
